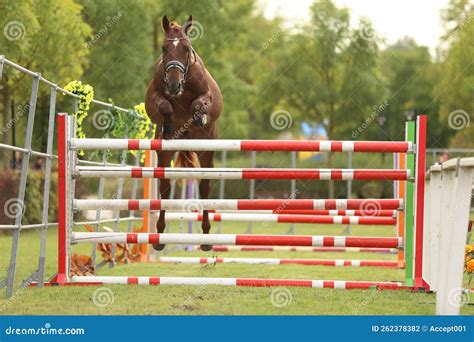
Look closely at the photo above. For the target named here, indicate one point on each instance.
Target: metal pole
(63, 132)
(118, 195)
(222, 186)
(253, 158)
(13, 129)
(22, 186)
(47, 183)
(349, 182)
(347, 229)
(134, 192)
(292, 229)
(98, 211)
(190, 195)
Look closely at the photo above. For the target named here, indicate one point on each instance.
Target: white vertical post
(426, 273)
(456, 190)
(434, 225)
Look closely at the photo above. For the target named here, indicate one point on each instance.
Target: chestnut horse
(184, 102)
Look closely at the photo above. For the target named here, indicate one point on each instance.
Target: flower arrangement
(86, 95)
(135, 123)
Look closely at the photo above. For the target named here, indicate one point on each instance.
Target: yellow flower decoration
(470, 266)
(469, 249)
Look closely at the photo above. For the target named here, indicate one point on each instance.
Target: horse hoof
(158, 247)
(206, 248)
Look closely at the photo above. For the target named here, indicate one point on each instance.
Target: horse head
(177, 55)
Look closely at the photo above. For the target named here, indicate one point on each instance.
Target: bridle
(175, 64)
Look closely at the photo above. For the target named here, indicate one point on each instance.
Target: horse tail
(187, 159)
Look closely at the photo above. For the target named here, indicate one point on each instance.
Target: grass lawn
(218, 300)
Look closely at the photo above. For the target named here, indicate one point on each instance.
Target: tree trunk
(156, 30)
(252, 117)
(6, 125)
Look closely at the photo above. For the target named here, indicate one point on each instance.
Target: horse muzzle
(175, 88)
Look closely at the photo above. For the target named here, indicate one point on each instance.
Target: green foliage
(328, 70)
(33, 204)
(86, 95)
(46, 36)
(455, 87)
(120, 48)
(410, 76)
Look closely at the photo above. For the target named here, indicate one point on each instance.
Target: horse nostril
(173, 87)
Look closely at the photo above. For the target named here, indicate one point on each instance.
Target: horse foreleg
(164, 160)
(206, 160)
(200, 108)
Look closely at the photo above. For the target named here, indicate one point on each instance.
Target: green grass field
(217, 300)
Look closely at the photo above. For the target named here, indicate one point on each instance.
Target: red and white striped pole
(281, 218)
(237, 239)
(389, 213)
(420, 167)
(61, 277)
(303, 249)
(242, 173)
(275, 261)
(243, 145)
(270, 204)
(333, 284)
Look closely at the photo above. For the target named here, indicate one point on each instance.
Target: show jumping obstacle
(327, 284)
(242, 145)
(68, 170)
(303, 249)
(273, 261)
(297, 204)
(216, 173)
(369, 213)
(242, 240)
(283, 218)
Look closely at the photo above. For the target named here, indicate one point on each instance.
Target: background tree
(44, 36)
(328, 74)
(454, 90)
(410, 76)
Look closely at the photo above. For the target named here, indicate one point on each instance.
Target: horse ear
(166, 23)
(188, 25)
